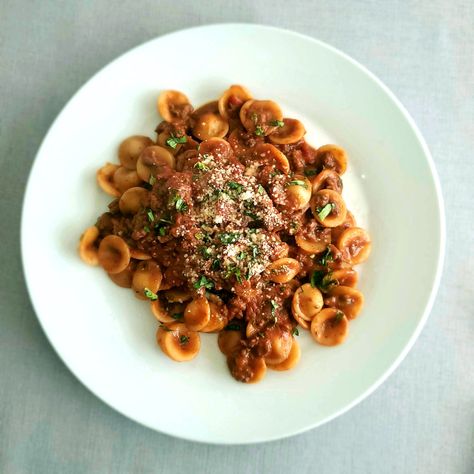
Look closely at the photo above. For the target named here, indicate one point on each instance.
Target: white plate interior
(107, 337)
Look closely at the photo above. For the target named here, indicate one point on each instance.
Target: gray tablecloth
(421, 419)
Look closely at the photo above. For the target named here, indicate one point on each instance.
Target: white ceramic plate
(107, 337)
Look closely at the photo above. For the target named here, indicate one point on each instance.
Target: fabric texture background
(421, 420)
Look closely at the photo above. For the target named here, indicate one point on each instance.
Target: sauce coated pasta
(231, 223)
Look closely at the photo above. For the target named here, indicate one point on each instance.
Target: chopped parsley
(295, 332)
(150, 295)
(161, 230)
(174, 141)
(339, 316)
(254, 251)
(152, 180)
(233, 327)
(177, 316)
(241, 255)
(298, 182)
(216, 264)
(178, 202)
(251, 215)
(146, 229)
(274, 307)
(183, 339)
(235, 186)
(323, 281)
(151, 216)
(259, 131)
(203, 282)
(229, 237)
(254, 118)
(233, 270)
(326, 257)
(201, 166)
(261, 189)
(206, 252)
(276, 123)
(324, 211)
(310, 172)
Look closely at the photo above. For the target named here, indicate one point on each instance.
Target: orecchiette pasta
(231, 223)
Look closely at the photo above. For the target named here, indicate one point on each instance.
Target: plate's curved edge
(441, 211)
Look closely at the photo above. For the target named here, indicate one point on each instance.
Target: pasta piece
(217, 319)
(131, 148)
(125, 277)
(347, 299)
(348, 222)
(298, 192)
(354, 243)
(177, 295)
(330, 327)
(229, 341)
(173, 106)
(124, 179)
(197, 313)
(302, 322)
(159, 311)
(329, 208)
(280, 345)
(147, 280)
(88, 247)
(307, 302)
(345, 277)
(240, 142)
(255, 367)
(232, 100)
(268, 153)
(105, 179)
(283, 270)
(288, 131)
(215, 147)
(250, 330)
(260, 117)
(210, 125)
(327, 179)
(134, 200)
(139, 254)
(178, 342)
(332, 157)
(154, 161)
(113, 254)
(310, 244)
(293, 358)
(283, 251)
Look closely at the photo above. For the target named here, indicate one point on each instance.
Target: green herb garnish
(201, 166)
(204, 282)
(162, 231)
(216, 264)
(233, 271)
(251, 215)
(146, 228)
(324, 211)
(298, 182)
(150, 295)
(326, 257)
(229, 237)
(323, 281)
(295, 332)
(235, 186)
(152, 180)
(177, 316)
(178, 202)
(274, 307)
(206, 252)
(276, 123)
(254, 251)
(151, 216)
(339, 316)
(241, 255)
(254, 118)
(259, 131)
(183, 339)
(310, 172)
(173, 141)
(261, 189)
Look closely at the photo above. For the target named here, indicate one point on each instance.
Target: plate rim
(441, 230)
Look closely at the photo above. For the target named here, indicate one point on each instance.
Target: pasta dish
(229, 222)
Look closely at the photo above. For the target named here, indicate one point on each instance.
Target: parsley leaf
(316, 278)
(323, 281)
(178, 202)
(201, 166)
(339, 316)
(323, 212)
(259, 131)
(151, 216)
(146, 228)
(274, 307)
(150, 295)
(177, 316)
(261, 189)
(228, 237)
(276, 123)
(206, 252)
(203, 282)
(173, 141)
(326, 257)
(295, 332)
(235, 186)
(152, 180)
(310, 172)
(183, 339)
